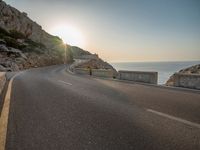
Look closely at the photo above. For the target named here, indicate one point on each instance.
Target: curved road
(52, 109)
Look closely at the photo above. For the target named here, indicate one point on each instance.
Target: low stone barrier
(187, 80)
(83, 71)
(107, 73)
(139, 76)
(2, 80)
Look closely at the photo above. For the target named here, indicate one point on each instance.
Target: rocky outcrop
(85, 59)
(13, 20)
(96, 64)
(77, 52)
(191, 70)
(24, 44)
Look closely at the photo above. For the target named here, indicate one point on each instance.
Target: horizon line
(154, 61)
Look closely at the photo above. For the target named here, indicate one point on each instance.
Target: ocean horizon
(165, 69)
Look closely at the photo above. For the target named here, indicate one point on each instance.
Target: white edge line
(5, 114)
(175, 118)
(64, 82)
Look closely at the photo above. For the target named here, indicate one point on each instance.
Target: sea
(164, 69)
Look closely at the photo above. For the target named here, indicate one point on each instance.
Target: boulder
(190, 70)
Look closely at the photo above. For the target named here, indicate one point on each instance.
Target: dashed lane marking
(65, 82)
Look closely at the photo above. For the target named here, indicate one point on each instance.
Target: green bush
(33, 47)
(35, 44)
(3, 32)
(22, 46)
(12, 33)
(16, 34)
(69, 54)
(11, 42)
(30, 49)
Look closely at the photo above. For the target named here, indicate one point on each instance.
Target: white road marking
(5, 114)
(175, 118)
(64, 82)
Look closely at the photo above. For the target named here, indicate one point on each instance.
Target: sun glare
(69, 35)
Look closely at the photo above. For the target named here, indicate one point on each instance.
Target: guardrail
(180, 80)
(107, 73)
(139, 76)
(83, 71)
(187, 80)
(2, 81)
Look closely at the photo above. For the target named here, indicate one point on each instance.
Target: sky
(122, 30)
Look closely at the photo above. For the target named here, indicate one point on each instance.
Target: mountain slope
(77, 52)
(24, 44)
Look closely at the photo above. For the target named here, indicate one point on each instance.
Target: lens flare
(69, 34)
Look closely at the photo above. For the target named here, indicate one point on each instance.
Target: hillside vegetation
(24, 44)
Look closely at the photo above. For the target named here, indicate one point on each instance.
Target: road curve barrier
(105, 73)
(2, 81)
(82, 71)
(191, 81)
(139, 76)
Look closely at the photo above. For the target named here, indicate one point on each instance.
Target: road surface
(51, 109)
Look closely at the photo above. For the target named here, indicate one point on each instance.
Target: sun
(69, 34)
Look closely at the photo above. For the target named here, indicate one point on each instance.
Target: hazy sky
(122, 30)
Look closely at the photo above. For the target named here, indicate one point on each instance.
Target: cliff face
(89, 60)
(77, 52)
(13, 20)
(191, 70)
(24, 44)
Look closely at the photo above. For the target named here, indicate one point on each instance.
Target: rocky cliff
(13, 20)
(24, 44)
(90, 60)
(191, 70)
(77, 52)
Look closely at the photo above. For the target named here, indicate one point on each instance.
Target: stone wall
(187, 80)
(139, 76)
(83, 71)
(107, 73)
(2, 81)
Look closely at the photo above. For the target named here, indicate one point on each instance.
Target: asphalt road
(52, 109)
